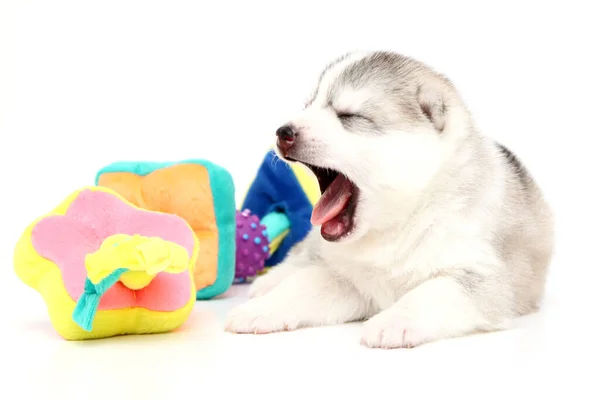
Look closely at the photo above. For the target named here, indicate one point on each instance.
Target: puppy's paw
(391, 330)
(260, 317)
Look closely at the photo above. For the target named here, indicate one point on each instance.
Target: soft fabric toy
(106, 267)
(280, 200)
(200, 192)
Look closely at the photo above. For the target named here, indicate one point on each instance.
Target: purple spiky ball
(252, 246)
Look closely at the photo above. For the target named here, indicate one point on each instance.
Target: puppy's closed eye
(355, 122)
(346, 115)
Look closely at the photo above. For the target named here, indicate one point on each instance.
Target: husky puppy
(428, 229)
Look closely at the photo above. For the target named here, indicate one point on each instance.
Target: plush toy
(280, 200)
(105, 267)
(200, 192)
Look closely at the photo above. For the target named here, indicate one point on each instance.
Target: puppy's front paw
(260, 317)
(390, 330)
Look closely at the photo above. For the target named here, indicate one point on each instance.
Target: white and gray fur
(452, 234)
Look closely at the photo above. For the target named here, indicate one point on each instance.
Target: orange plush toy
(200, 192)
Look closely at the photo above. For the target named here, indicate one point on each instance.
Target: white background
(83, 84)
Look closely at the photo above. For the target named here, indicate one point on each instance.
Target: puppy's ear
(433, 105)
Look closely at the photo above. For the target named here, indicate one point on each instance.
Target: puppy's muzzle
(286, 137)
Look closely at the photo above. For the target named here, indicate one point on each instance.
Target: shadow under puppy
(428, 229)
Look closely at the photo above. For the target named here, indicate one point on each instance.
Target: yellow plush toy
(106, 267)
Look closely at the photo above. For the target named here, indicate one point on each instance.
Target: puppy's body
(447, 233)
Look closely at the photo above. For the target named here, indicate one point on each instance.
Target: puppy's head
(373, 133)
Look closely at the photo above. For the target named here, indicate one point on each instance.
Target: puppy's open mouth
(334, 211)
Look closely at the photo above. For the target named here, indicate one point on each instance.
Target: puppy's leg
(437, 309)
(264, 284)
(312, 296)
(297, 258)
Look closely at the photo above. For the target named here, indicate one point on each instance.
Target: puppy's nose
(285, 133)
(285, 138)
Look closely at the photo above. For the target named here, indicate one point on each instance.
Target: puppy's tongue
(333, 201)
